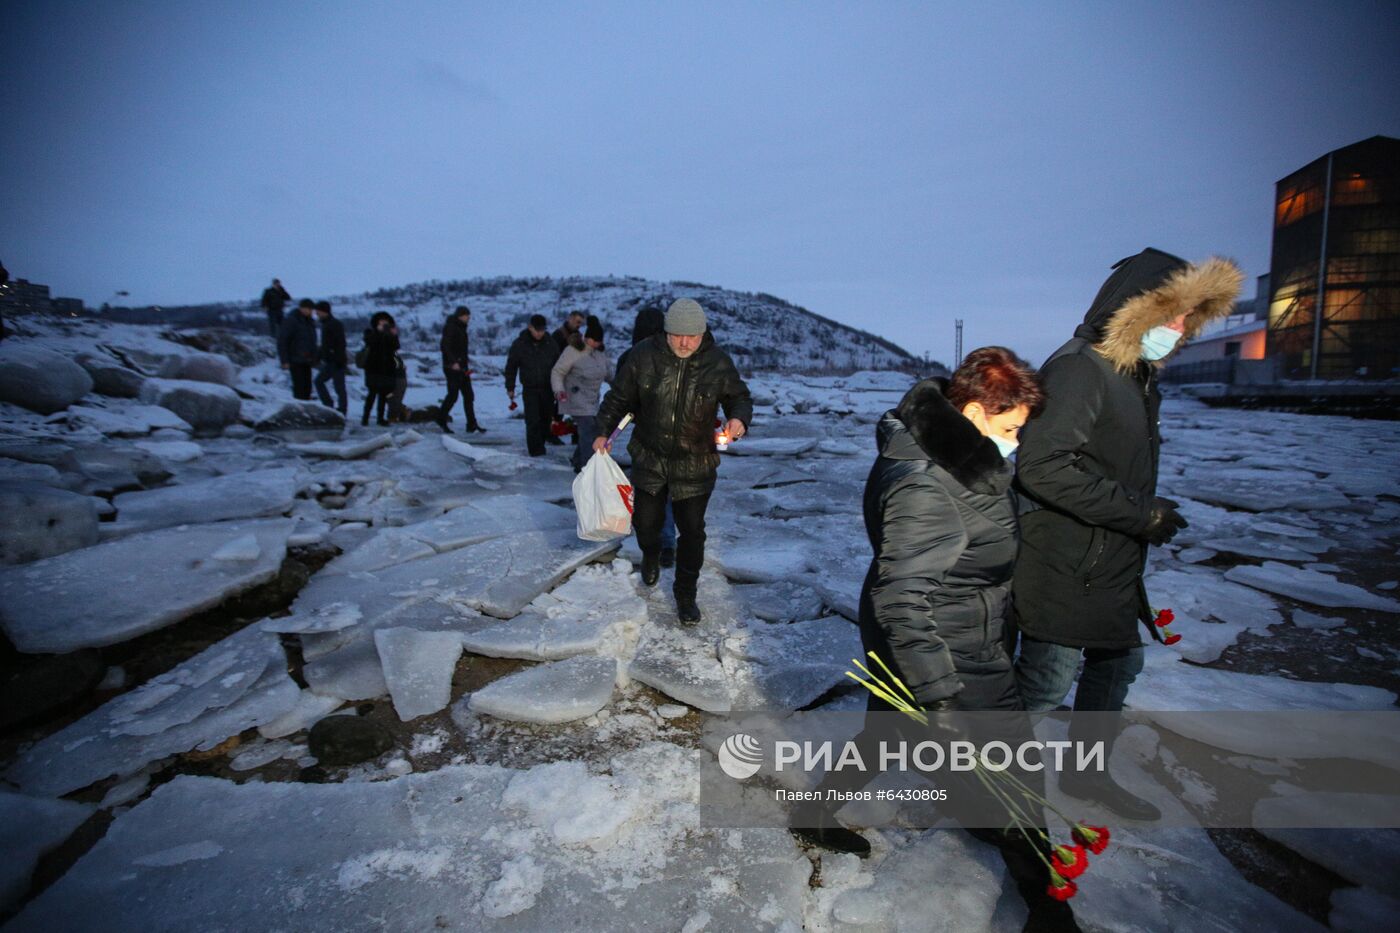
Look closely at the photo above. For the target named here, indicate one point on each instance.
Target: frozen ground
(543, 708)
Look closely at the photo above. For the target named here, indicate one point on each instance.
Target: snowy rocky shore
(267, 670)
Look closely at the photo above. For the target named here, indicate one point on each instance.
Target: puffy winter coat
(454, 344)
(580, 373)
(942, 521)
(1088, 464)
(296, 341)
(333, 342)
(383, 348)
(674, 402)
(532, 359)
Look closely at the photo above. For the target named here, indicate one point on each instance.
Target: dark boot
(1102, 789)
(1032, 878)
(668, 557)
(442, 423)
(651, 568)
(687, 582)
(835, 837)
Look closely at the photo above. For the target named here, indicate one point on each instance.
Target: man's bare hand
(735, 429)
(600, 444)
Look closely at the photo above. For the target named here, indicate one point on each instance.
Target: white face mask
(1005, 444)
(1158, 342)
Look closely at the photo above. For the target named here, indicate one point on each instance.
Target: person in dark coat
(673, 386)
(381, 352)
(457, 369)
(941, 519)
(1087, 469)
(532, 357)
(650, 321)
(296, 347)
(334, 362)
(274, 299)
(573, 324)
(398, 411)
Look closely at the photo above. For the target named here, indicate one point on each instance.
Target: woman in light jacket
(577, 380)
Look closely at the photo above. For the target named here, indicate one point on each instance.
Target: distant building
(20, 296)
(1334, 310)
(1241, 335)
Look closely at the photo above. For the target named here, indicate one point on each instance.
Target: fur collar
(950, 440)
(1210, 288)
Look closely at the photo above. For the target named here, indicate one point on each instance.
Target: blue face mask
(1158, 342)
(1005, 444)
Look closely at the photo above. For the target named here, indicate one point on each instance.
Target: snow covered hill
(760, 331)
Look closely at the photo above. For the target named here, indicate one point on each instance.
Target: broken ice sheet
(418, 668)
(552, 692)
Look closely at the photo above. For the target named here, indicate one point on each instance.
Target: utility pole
(957, 346)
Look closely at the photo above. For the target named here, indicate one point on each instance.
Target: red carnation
(1164, 618)
(1095, 838)
(1069, 861)
(1171, 639)
(1061, 888)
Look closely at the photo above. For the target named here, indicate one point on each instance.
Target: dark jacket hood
(1150, 289)
(926, 426)
(651, 321)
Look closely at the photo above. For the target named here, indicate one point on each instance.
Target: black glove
(1165, 522)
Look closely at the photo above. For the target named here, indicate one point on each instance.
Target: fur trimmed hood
(926, 426)
(1151, 289)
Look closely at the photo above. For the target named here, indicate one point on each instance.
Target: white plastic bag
(603, 499)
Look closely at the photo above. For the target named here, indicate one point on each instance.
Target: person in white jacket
(577, 380)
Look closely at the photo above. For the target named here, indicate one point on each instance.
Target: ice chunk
(1362, 856)
(515, 890)
(172, 451)
(311, 707)
(772, 446)
(243, 548)
(556, 691)
(38, 521)
(332, 617)
(1304, 619)
(1309, 586)
(779, 602)
(787, 666)
(385, 548)
(129, 420)
(350, 672)
(29, 827)
(239, 495)
(349, 449)
(142, 583)
(418, 668)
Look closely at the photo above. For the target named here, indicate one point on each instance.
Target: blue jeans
(334, 374)
(584, 450)
(668, 529)
(1045, 672)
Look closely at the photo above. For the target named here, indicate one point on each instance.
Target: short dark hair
(306, 303)
(323, 306)
(576, 313)
(461, 310)
(538, 322)
(996, 379)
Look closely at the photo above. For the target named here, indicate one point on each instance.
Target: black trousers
(539, 412)
(459, 382)
(301, 380)
(649, 514)
(378, 389)
(334, 374)
(274, 321)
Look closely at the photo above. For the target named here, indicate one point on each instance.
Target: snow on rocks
(311, 707)
(301, 414)
(787, 666)
(238, 495)
(207, 407)
(172, 451)
(137, 584)
(200, 367)
(29, 827)
(418, 668)
(124, 419)
(38, 521)
(555, 691)
(40, 379)
(1310, 586)
(349, 449)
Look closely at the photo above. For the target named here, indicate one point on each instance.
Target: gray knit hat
(685, 318)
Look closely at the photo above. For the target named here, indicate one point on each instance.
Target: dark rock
(206, 406)
(300, 414)
(42, 686)
(348, 740)
(110, 377)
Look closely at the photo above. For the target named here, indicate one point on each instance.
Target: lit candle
(721, 440)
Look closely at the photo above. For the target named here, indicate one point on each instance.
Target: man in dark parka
(274, 299)
(1087, 468)
(532, 356)
(673, 385)
(456, 368)
(334, 361)
(296, 347)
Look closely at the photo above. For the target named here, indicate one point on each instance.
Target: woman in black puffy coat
(381, 348)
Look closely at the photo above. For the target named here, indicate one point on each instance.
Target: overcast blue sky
(891, 165)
